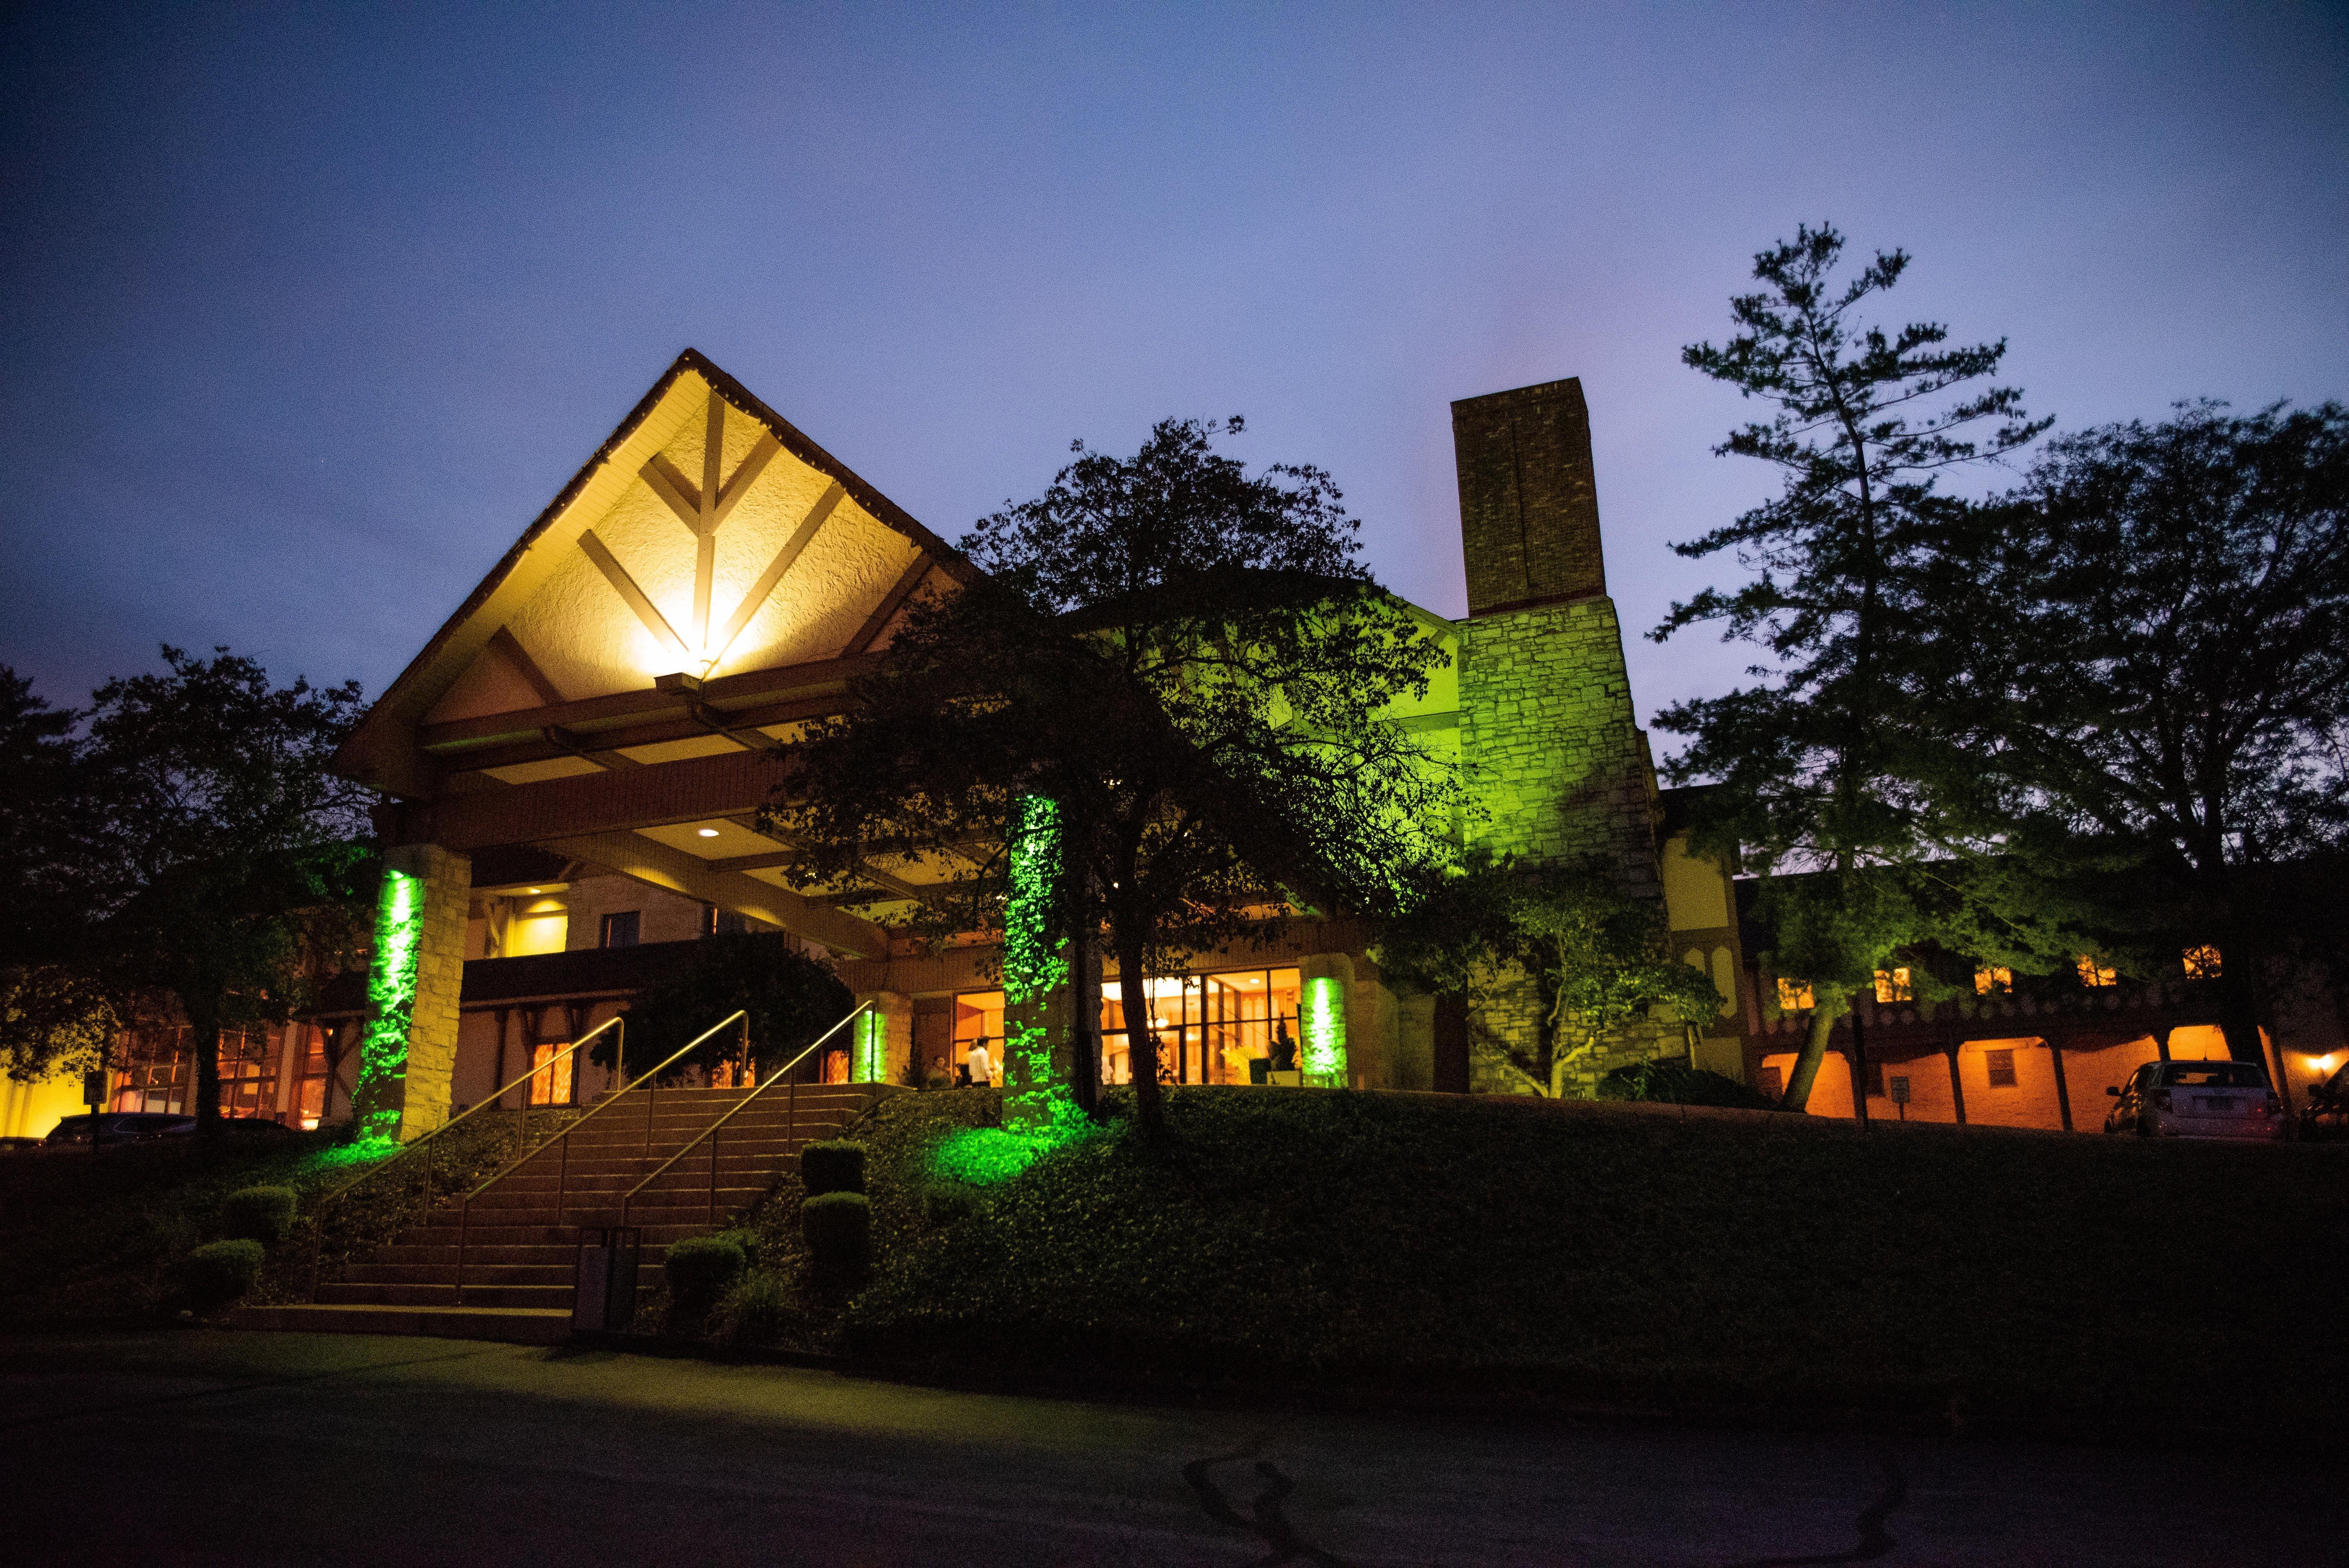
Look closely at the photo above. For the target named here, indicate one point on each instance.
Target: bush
(1672, 1083)
(216, 1273)
(839, 1230)
(745, 1238)
(263, 1214)
(834, 1166)
(944, 1202)
(759, 1310)
(698, 1269)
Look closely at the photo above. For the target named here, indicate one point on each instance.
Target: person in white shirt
(982, 1066)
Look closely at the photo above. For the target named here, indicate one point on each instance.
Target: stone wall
(414, 979)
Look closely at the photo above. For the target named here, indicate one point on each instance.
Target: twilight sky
(306, 313)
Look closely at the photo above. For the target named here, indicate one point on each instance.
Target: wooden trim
(657, 865)
(733, 695)
(817, 515)
(890, 602)
(754, 463)
(673, 487)
(510, 645)
(730, 784)
(633, 596)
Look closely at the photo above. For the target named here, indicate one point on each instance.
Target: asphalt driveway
(219, 1448)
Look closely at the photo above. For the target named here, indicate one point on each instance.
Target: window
(1892, 985)
(1997, 980)
(717, 922)
(1771, 1081)
(2202, 962)
(1210, 1028)
(2093, 975)
(2001, 1065)
(550, 1082)
(1794, 996)
(620, 929)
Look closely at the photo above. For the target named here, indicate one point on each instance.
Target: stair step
(478, 1271)
(346, 1294)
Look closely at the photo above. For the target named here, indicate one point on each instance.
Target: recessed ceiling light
(534, 892)
(706, 833)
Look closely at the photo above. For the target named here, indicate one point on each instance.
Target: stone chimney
(1528, 508)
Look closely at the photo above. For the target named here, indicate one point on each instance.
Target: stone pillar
(1325, 983)
(409, 1050)
(1370, 1020)
(881, 1042)
(1414, 1042)
(1038, 1060)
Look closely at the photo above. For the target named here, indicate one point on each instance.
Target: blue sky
(307, 312)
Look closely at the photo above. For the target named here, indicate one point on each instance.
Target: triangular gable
(664, 555)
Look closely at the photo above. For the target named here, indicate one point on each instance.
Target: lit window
(1892, 985)
(1997, 980)
(1794, 996)
(2202, 962)
(2002, 1069)
(2093, 975)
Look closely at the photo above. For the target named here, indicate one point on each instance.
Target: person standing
(982, 1064)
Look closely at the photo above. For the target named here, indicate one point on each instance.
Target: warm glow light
(534, 892)
(706, 833)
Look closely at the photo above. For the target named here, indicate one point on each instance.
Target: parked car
(18, 1145)
(120, 1127)
(2197, 1100)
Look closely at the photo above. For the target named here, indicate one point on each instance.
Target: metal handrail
(318, 1209)
(710, 1132)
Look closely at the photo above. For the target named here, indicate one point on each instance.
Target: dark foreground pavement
(219, 1447)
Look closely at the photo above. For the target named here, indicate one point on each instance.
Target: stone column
(1413, 1064)
(1038, 1060)
(409, 1050)
(1370, 1029)
(881, 1042)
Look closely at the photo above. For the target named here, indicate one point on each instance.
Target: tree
(226, 867)
(2167, 623)
(53, 1015)
(1597, 954)
(791, 999)
(1836, 762)
(1187, 663)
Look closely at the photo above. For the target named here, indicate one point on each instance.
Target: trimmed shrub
(748, 1240)
(1673, 1083)
(839, 1230)
(216, 1273)
(759, 1310)
(946, 1202)
(698, 1269)
(263, 1214)
(836, 1165)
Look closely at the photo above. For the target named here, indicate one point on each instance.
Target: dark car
(2197, 1100)
(120, 1127)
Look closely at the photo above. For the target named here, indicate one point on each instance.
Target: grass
(88, 1240)
(1491, 1251)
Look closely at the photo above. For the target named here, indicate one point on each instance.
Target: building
(575, 761)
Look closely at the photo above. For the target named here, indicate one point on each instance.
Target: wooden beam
(734, 695)
(510, 645)
(626, 586)
(744, 477)
(680, 726)
(875, 622)
(817, 514)
(675, 489)
(733, 783)
(657, 865)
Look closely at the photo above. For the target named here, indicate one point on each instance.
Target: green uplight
(869, 1054)
(391, 1004)
(1321, 1021)
(989, 1155)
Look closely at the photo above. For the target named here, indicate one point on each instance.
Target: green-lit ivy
(1322, 1022)
(1035, 967)
(391, 1004)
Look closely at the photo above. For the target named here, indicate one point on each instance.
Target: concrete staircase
(501, 1267)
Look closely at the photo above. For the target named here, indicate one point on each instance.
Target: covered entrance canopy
(621, 690)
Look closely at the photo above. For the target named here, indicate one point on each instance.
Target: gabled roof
(383, 751)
